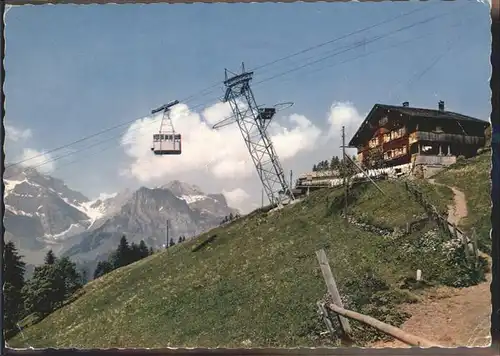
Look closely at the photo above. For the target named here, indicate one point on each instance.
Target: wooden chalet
(396, 135)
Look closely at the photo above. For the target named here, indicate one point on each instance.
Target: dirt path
(458, 210)
(451, 316)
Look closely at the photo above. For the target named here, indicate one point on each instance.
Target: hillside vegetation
(256, 282)
(472, 177)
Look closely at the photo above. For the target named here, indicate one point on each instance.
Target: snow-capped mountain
(42, 207)
(208, 205)
(152, 215)
(43, 213)
(104, 206)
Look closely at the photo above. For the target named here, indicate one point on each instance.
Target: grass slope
(472, 177)
(257, 282)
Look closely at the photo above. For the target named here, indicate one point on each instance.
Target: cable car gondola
(167, 141)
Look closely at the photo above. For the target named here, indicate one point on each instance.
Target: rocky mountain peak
(43, 213)
(179, 188)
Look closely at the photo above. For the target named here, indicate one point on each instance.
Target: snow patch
(189, 199)
(91, 212)
(72, 230)
(96, 209)
(105, 196)
(77, 207)
(11, 184)
(17, 212)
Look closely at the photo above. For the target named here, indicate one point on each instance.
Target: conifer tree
(50, 285)
(122, 254)
(44, 292)
(50, 258)
(72, 280)
(13, 270)
(143, 249)
(135, 253)
(102, 268)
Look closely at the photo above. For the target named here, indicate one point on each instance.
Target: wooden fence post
(324, 314)
(463, 238)
(474, 246)
(332, 288)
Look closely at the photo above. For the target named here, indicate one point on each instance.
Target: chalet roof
(414, 112)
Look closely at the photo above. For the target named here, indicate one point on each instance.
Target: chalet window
(383, 121)
(387, 138)
(413, 138)
(439, 129)
(398, 133)
(404, 150)
(386, 155)
(373, 142)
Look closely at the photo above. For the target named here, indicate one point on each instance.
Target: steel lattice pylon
(253, 122)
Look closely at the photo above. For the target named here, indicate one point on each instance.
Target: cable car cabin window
(156, 138)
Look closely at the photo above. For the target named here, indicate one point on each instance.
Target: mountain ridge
(43, 213)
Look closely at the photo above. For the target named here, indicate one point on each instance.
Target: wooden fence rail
(469, 243)
(345, 314)
(332, 287)
(387, 329)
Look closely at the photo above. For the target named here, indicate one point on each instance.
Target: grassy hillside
(256, 283)
(472, 177)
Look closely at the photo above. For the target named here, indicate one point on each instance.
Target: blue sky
(75, 70)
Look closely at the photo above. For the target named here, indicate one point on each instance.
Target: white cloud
(347, 115)
(35, 159)
(214, 113)
(343, 114)
(209, 156)
(220, 153)
(237, 198)
(302, 137)
(15, 134)
(104, 196)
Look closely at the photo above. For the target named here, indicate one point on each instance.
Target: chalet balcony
(445, 138)
(320, 174)
(395, 153)
(433, 160)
